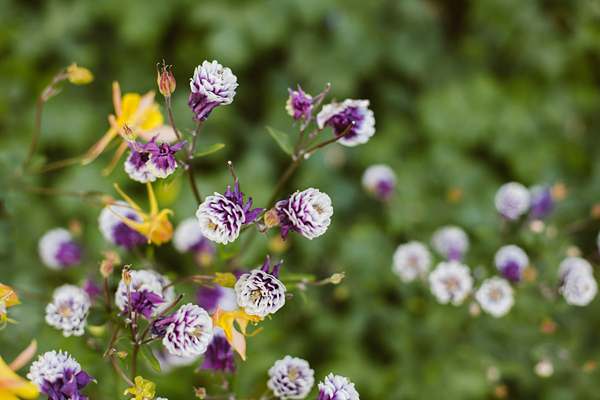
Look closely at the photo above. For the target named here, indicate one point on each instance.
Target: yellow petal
(150, 119)
(128, 199)
(8, 296)
(11, 383)
(131, 103)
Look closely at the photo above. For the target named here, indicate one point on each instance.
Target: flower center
(211, 225)
(255, 295)
(197, 331)
(64, 311)
(452, 284)
(318, 208)
(293, 373)
(495, 294)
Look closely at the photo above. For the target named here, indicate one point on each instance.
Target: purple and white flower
(260, 292)
(221, 216)
(411, 260)
(336, 387)
(147, 294)
(495, 296)
(350, 114)
(212, 85)
(291, 378)
(219, 354)
(451, 242)
(115, 230)
(542, 202)
(379, 181)
(299, 105)
(308, 213)
(161, 157)
(188, 331)
(451, 282)
(188, 237)
(59, 376)
(58, 249)
(511, 260)
(512, 200)
(579, 288)
(137, 168)
(69, 310)
(217, 296)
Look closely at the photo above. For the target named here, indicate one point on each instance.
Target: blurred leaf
(148, 355)
(282, 139)
(206, 150)
(168, 181)
(226, 251)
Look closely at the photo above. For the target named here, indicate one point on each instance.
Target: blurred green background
(467, 95)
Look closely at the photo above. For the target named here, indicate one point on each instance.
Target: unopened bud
(200, 392)
(165, 80)
(337, 278)
(112, 256)
(79, 75)
(127, 134)
(122, 354)
(225, 279)
(126, 275)
(106, 268)
(271, 218)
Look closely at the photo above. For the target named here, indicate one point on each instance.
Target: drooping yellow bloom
(225, 320)
(155, 225)
(12, 386)
(143, 390)
(141, 114)
(79, 75)
(8, 298)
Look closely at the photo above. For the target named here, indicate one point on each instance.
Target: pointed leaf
(149, 357)
(282, 139)
(204, 151)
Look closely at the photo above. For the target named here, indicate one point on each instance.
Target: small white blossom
(337, 388)
(544, 368)
(190, 331)
(512, 200)
(495, 296)
(451, 282)
(411, 260)
(379, 180)
(68, 310)
(579, 288)
(291, 378)
(451, 242)
(574, 264)
(260, 293)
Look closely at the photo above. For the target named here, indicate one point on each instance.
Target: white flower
(512, 200)
(574, 264)
(259, 293)
(495, 296)
(220, 219)
(68, 310)
(188, 236)
(308, 213)
(350, 113)
(411, 260)
(58, 249)
(212, 85)
(291, 378)
(337, 388)
(190, 331)
(579, 288)
(146, 280)
(544, 368)
(136, 167)
(451, 282)
(379, 180)
(451, 242)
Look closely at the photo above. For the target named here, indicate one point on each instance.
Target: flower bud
(271, 218)
(200, 392)
(106, 268)
(337, 278)
(127, 134)
(122, 354)
(225, 279)
(126, 275)
(165, 80)
(79, 75)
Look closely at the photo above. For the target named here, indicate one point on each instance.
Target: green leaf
(282, 139)
(204, 151)
(226, 251)
(149, 357)
(296, 277)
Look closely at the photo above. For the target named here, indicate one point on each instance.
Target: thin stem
(87, 197)
(286, 175)
(114, 361)
(325, 143)
(190, 168)
(36, 134)
(107, 295)
(232, 171)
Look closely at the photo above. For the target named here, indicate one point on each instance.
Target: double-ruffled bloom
(511, 260)
(512, 200)
(187, 332)
(147, 292)
(495, 296)
(336, 387)
(411, 261)
(308, 213)
(451, 242)
(352, 115)
(451, 282)
(212, 85)
(59, 376)
(69, 310)
(577, 283)
(140, 114)
(291, 378)
(260, 292)
(188, 238)
(115, 230)
(221, 216)
(155, 226)
(58, 249)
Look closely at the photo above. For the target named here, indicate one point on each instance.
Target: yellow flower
(155, 225)
(143, 390)
(8, 298)
(140, 114)
(12, 386)
(225, 320)
(79, 75)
